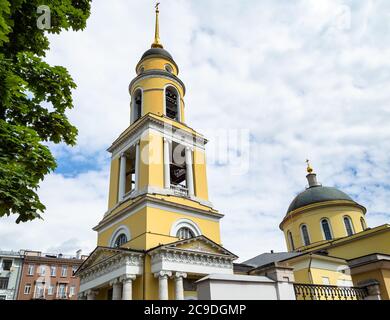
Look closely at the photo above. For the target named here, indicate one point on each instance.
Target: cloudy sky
(299, 79)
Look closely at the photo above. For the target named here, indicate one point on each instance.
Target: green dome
(317, 194)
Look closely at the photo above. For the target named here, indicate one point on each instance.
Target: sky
(280, 81)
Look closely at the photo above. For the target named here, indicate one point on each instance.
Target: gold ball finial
(309, 168)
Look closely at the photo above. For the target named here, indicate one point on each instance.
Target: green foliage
(34, 97)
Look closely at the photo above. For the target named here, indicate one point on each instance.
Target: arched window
(172, 103)
(305, 235)
(136, 106)
(185, 233)
(120, 240)
(119, 237)
(290, 238)
(326, 229)
(348, 225)
(363, 223)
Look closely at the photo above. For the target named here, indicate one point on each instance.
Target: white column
(122, 177)
(179, 289)
(167, 172)
(116, 289)
(137, 159)
(189, 172)
(163, 284)
(91, 294)
(127, 287)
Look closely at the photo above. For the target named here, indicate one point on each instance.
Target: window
(74, 269)
(172, 103)
(27, 288)
(62, 291)
(178, 175)
(72, 291)
(136, 110)
(50, 290)
(326, 229)
(53, 271)
(290, 238)
(64, 271)
(168, 68)
(7, 264)
(42, 270)
(348, 226)
(185, 233)
(30, 270)
(4, 283)
(3, 297)
(39, 291)
(120, 240)
(305, 235)
(363, 223)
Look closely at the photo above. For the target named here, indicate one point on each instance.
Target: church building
(160, 233)
(160, 236)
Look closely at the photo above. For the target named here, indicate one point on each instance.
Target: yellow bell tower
(158, 185)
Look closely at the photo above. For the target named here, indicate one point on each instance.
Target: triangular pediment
(199, 244)
(101, 254)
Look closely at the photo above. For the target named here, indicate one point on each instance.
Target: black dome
(158, 52)
(317, 194)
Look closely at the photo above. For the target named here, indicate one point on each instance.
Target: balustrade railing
(179, 190)
(327, 292)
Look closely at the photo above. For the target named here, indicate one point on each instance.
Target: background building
(10, 271)
(49, 276)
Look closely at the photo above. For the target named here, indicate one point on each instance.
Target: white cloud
(308, 78)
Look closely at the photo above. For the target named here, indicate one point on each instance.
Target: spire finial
(157, 42)
(309, 168)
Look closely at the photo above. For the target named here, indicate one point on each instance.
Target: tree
(34, 97)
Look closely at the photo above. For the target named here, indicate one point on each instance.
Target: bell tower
(158, 190)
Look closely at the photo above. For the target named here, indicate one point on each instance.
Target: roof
(266, 258)
(157, 52)
(317, 194)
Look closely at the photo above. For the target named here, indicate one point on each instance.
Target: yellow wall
(376, 242)
(312, 218)
(159, 224)
(200, 177)
(114, 183)
(382, 276)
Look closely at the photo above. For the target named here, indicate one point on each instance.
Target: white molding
(161, 76)
(185, 223)
(108, 270)
(160, 127)
(168, 207)
(121, 229)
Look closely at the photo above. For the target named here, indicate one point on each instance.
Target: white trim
(167, 207)
(178, 101)
(151, 76)
(302, 236)
(132, 120)
(185, 223)
(118, 231)
(330, 228)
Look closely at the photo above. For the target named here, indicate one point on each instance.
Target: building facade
(49, 276)
(160, 233)
(10, 272)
